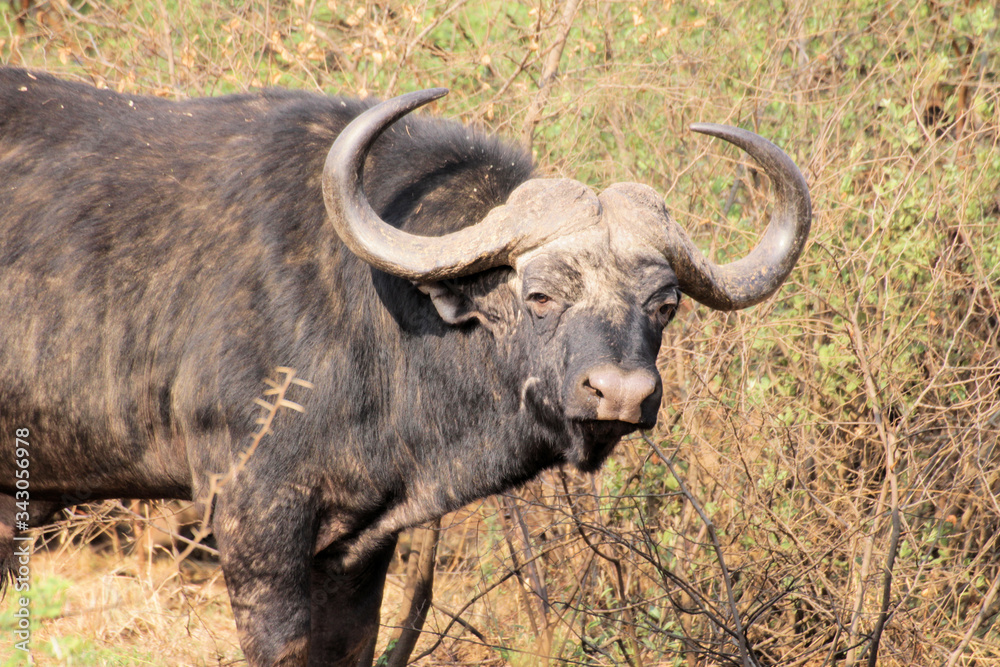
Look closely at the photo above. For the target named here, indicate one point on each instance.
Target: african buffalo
(464, 324)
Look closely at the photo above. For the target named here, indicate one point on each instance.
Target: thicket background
(823, 487)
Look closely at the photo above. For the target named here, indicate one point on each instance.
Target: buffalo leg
(39, 513)
(345, 608)
(266, 549)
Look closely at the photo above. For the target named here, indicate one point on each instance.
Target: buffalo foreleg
(345, 608)
(265, 544)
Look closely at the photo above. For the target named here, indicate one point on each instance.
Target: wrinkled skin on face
(588, 308)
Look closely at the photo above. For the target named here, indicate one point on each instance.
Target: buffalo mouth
(594, 440)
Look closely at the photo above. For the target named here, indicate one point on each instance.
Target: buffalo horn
(750, 280)
(492, 242)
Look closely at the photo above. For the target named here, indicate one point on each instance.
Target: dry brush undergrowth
(824, 485)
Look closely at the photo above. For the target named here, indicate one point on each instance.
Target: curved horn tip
(394, 108)
(422, 97)
(704, 128)
(718, 130)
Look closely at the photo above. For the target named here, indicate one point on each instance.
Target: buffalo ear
(452, 305)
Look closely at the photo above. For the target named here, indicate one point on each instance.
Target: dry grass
(122, 610)
(845, 429)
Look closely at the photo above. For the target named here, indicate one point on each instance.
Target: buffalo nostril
(592, 389)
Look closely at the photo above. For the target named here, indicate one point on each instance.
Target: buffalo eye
(665, 312)
(541, 304)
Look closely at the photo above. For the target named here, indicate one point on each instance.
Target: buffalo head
(590, 281)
